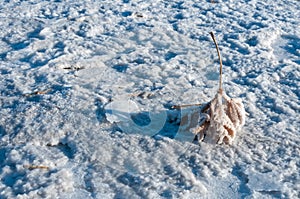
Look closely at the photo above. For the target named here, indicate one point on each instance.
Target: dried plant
(223, 115)
(32, 167)
(220, 118)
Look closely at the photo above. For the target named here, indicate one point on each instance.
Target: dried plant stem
(31, 167)
(185, 105)
(220, 60)
(42, 92)
(220, 80)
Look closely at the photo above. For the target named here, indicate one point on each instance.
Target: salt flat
(86, 89)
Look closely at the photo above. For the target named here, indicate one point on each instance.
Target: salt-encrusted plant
(220, 118)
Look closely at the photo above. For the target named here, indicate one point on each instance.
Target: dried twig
(37, 93)
(31, 167)
(220, 59)
(184, 106)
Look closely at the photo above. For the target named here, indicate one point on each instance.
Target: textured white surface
(63, 62)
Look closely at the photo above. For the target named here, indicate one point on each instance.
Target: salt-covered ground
(70, 69)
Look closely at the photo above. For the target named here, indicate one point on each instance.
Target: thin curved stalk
(184, 106)
(220, 60)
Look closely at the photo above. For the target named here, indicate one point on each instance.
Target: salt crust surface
(63, 64)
